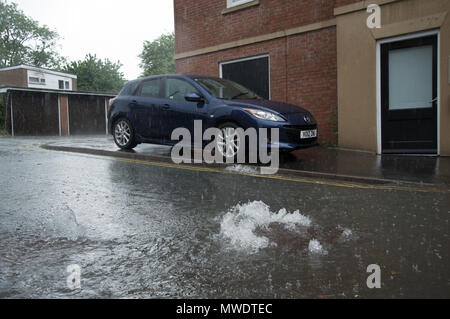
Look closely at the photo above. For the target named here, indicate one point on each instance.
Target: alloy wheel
(122, 133)
(228, 142)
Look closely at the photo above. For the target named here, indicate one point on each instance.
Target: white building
(33, 77)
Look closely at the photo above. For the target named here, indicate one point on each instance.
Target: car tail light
(111, 101)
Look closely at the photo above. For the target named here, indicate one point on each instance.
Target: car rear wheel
(123, 133)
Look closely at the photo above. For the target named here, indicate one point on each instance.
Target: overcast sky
(113, 29)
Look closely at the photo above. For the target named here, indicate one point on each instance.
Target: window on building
(61, 84)
(67, 85)
(36, 80)
(234, 3)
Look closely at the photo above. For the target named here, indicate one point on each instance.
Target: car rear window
(129, 88)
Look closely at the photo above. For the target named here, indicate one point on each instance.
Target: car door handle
(433, 100)
(166, 106)
(133, 102)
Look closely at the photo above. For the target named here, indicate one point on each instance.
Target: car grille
(293, 133)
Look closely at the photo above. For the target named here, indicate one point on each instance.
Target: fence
(33, 112)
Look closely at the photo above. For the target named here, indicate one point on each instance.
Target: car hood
(282, 108)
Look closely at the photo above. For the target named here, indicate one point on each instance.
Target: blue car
(148, 110)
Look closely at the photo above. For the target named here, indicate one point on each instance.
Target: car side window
(176, 89)
(151, 88)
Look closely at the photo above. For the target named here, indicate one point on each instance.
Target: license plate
(308, 134)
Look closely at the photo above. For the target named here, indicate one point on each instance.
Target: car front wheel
(124, 134)
(228, 142)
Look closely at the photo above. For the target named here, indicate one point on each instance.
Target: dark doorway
(409, 96)
(34, 113)
(253, 73)
(87, 115)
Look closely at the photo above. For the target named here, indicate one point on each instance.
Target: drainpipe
(12, 115)
(106, 114)
(59, 113)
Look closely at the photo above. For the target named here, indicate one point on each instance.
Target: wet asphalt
(146, 231)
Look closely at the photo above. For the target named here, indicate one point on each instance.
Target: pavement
(316, 162)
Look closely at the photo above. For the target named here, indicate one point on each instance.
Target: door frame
(378, 75)
(247, 59)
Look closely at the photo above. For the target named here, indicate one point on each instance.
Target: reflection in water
(425, 169)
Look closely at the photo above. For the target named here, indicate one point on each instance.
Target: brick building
(322, 55)
(39, 78)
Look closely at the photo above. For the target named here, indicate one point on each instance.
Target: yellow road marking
(287, 178)
(424, 189)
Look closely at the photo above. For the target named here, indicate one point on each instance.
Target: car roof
(161, 76)
(182, 76)
(202, 77)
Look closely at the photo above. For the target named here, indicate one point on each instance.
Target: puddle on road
(253, 226)
(55, 221)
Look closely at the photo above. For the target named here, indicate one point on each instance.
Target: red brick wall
(312, 77)
(200, 23)
(303, 67)
(16, 77)
(340, 3)
(209, 64)
(64, 114)
(74, 84)
(302, 71)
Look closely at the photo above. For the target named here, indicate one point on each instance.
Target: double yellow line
(405, 188)
(285, 178)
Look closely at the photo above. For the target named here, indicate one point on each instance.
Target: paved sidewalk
(313, 162)
(417, 169)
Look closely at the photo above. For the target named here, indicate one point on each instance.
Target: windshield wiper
(239, 95)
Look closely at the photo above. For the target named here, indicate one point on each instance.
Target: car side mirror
(194, 97)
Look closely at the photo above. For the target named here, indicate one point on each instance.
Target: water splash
(316, 248)
(241, 224)
(243, 169)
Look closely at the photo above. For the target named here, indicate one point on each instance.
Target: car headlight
(264, 115)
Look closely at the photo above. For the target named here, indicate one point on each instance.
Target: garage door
(252, 73)
(86, 115)
(34, 113)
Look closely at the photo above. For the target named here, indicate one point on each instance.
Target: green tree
(95, 74)
(24, 41)
(158, 56)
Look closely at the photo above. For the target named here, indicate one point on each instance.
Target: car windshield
(225, 89)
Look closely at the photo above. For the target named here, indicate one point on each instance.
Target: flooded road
(143, 231)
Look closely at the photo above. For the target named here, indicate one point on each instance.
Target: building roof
(33, 68)
(6, 89)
